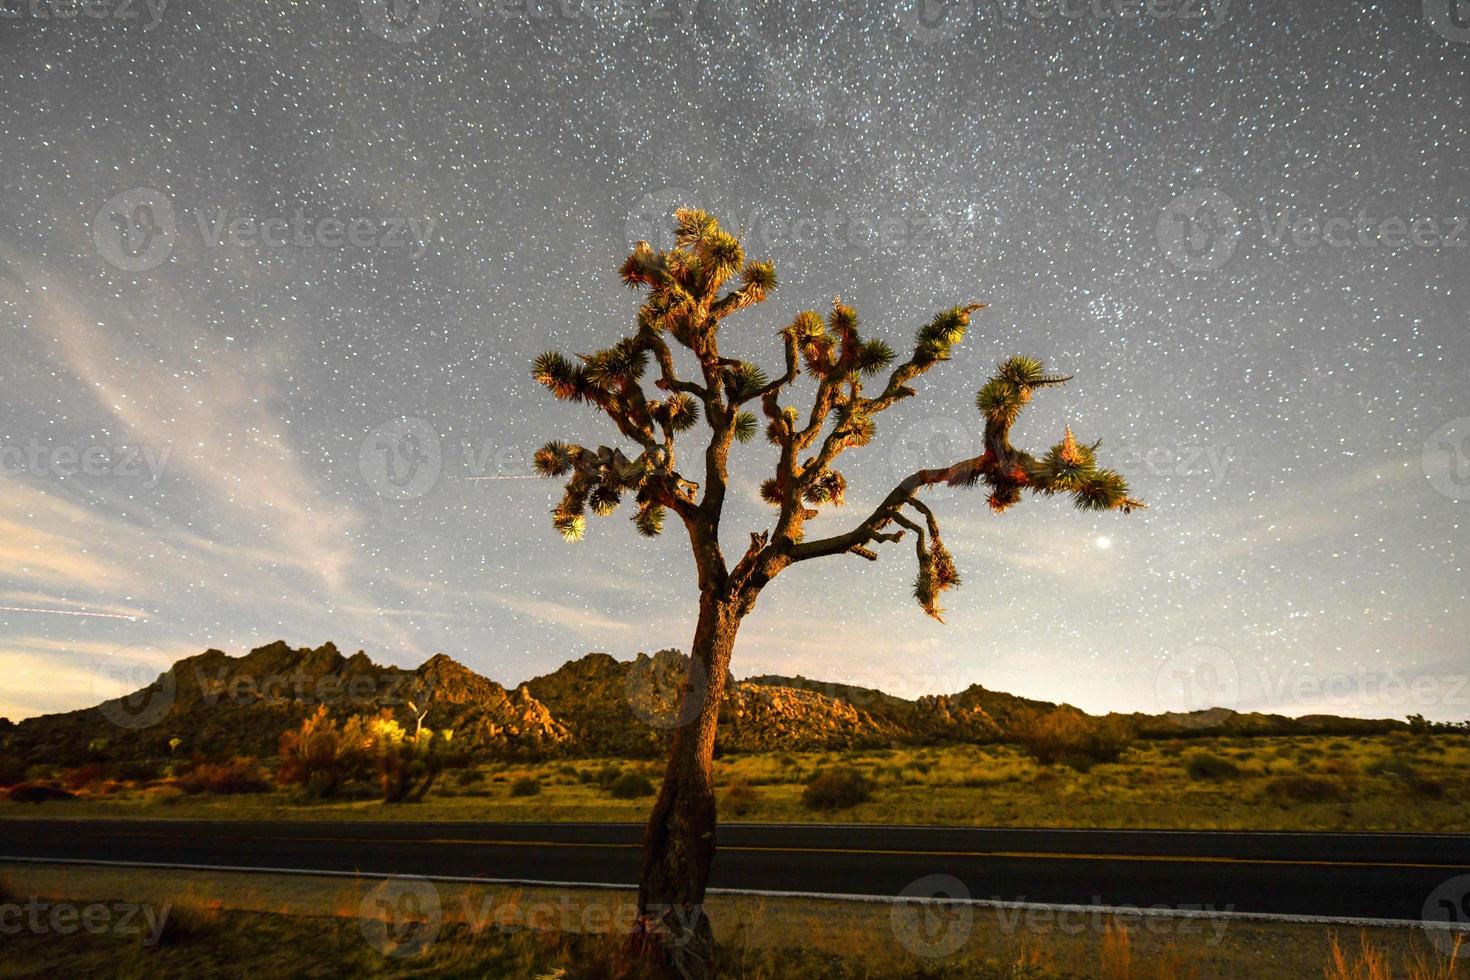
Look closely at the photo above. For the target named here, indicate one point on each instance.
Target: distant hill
(217, 704)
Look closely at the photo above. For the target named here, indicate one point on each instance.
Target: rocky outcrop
(220, 705)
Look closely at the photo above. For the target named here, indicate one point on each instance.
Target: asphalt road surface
(1370, 876)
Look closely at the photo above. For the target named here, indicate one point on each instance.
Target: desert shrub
(136, 771)
(1394, 767)
(836, 789)
(608, 775)
(188, 922)
(529, 786)
(1299, 788)
(83, 776)
(467, 776)
(163, 794)
(570, 772)
(1208, 766)
(36, 793)
(1429, 789)
(630, 786)
(321, 756)
(1071, 738)
(12, 770)
(39, 773)
(241, 774)
(740, 798)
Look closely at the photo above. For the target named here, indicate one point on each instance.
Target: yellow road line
(1022, 855)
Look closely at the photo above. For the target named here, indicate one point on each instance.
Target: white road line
(1126, 910)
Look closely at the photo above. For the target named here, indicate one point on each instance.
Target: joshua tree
(690, 290)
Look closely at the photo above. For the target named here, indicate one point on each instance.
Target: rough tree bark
(679, 843)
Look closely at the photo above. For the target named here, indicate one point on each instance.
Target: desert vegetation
(305, 926)
(1386, 782)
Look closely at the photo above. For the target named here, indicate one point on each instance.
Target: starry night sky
(1138, 197)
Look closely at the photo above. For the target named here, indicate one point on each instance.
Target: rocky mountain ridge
(216, 704)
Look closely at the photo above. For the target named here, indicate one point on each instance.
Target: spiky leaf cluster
(828, 488)
(937, 574)
(745, 380)
(936, 338)
(746, 426)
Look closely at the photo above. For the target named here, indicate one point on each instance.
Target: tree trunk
(674, 937)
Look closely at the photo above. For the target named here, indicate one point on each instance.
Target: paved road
(1385, 876)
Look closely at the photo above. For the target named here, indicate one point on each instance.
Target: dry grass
(1396, 782)
(309, 926)
(1372, 962)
